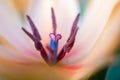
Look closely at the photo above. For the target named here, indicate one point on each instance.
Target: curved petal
(10, 29)
(10, 52)
(34, 71)
(93, 23)
(14, 65)
(103, 53)
(41, 15)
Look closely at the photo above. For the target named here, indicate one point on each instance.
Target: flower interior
(53, 56)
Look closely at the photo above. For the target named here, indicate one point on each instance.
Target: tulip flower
(40, 39)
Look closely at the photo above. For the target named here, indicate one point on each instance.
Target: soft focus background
(111, 72)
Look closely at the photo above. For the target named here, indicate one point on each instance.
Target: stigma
(53, 56)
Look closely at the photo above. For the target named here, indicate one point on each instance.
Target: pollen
(53, 56)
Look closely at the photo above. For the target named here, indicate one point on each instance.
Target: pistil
(53, 56)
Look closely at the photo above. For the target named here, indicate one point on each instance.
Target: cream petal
(33, 71)
(103, 53)
(41, 15)
(14, 65)
(8, 54)
(10, 29)
(4, 53)
(95, 15)
(93, 23)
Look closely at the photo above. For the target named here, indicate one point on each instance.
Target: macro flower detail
(53, 57)
(50, 50)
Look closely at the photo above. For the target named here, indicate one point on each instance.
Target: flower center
(53, 57)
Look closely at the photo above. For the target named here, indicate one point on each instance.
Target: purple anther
(71, 39)
(53, 21)
(36, 39)
(61, 55)
(34, 29)
(52, 57)
(74, 26)
(29, 34)
(39, 47)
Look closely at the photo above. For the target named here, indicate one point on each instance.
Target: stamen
(39, 47)
(74, 26)
(29, 34)
(36, 38)
(52, 57)
(71, 39)
(34, 29)
(53, 21)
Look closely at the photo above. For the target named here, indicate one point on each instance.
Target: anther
(52, 57)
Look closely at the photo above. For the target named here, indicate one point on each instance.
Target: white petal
(8, 54)
(65, 15)
(94, 21)
(103, 53)
(10, 29)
